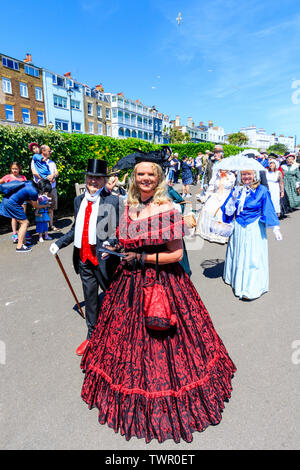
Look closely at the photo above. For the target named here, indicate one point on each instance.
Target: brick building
(97, 111)
(21, 92)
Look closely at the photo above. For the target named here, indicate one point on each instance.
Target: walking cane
(69, 284)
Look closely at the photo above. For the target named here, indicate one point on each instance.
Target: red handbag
(156, 306)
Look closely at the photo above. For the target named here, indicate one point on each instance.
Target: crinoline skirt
(156, 385)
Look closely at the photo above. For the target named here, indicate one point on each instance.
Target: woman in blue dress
(250, 208)
(11, 206)
(186, 175)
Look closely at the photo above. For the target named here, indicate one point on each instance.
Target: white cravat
(95, 199)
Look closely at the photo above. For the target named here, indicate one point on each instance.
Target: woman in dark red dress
(154, 384)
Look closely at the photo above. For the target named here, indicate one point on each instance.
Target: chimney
(177, 121)
(99, 87)
(201, 124)
(210, 124)
(190, 122)
(28, 58)
(68, 74)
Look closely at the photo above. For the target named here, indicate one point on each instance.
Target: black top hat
(96, 167)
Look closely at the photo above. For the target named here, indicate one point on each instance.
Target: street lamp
(70, 93)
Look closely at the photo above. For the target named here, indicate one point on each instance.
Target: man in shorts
(46, 152)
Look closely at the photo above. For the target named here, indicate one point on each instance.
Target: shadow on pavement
(213, 268)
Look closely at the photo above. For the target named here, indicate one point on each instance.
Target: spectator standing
(176, 168)
(15, 175)
(217, 156)
(42, 217)
(46, 152)
(186, 175)
(12, 206)
(198, 165)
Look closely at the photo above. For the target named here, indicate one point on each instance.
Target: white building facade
(130, 118)
(258, 138)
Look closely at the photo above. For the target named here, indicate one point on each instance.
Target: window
(26, 115)
(100, 129)
(23, 90)
(90, 109)
(75, 104)
(91, 127)
(99, 111)
(107, 112)
(38, 94)
(114, 113)
(59, 81)
(76, 127)
(9, 112)
(121, 131)
(40, 118)
(31, 71)
(108, 130)
(60, 101)
(6, 85)
(61, 125)
(88, 91)
(11, 64)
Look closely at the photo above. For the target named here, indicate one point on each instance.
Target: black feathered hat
(160, 157)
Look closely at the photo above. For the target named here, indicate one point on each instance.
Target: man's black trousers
(91, 279)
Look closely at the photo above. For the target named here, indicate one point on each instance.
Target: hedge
(71, 152)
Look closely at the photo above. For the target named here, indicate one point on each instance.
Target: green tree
(278, 148)
(238, 138)
(177, 137)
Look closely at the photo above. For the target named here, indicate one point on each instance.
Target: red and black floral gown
(155, 385)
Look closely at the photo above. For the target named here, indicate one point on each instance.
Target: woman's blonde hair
(160, 195)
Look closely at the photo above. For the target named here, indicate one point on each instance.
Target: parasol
(238, 163)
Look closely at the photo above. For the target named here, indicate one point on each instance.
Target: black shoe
(23, 249)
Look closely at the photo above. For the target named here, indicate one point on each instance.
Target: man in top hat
(96, 214)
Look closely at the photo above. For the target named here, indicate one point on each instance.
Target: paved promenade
(40, 403)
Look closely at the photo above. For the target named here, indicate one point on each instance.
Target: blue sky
(232, 61)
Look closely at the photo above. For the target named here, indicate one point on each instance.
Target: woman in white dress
(217, 192)
(276, 184)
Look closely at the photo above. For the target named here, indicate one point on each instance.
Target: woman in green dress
(291, 173)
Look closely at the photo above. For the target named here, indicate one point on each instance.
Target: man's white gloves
(277, 233)
(53, 248)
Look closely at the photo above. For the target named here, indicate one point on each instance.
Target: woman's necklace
(143, 204)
